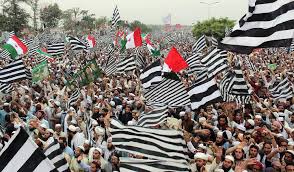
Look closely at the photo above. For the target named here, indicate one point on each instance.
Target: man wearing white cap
(77, 138)
(95, 154)
(200, 162)
(78, 158)
(226, 165)
(58, 131)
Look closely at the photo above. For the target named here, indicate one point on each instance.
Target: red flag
(174, 61)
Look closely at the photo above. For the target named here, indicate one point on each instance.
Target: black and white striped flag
(21, 153)
(214, 42)
(110, 66)
(77, 44)
(249, 64)
(56, 48)
(126, 64)
(151, 75)
(239, 86)
(4, 54)
(73, 98)
(153, 118)
(283, 90)
(199, 45)
(194, 63)
(225, 86)
(157, 144)
(6, 88)
(55, 154)
(291, 48)
(135, 165)
(204, 93)
(13, 72)
(169, 91)
(215, 62)
(266, 24)
(115, 17)
(140, 60)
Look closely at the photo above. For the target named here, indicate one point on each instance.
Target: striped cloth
(153, 118)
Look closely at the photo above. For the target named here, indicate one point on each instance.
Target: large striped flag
(239, 86)
(73, 98)
(215, 62)
(170, 91)
(126, 64)
(266, 24)
(56, 48)
(13, 72)
(6, 88)
(135, 165)
(199, 45)
(55, 154)
(76, 43)
(151, 75)
(204, 93)
(157, 144)
(21, 153)
(153, 118)
(283, 90)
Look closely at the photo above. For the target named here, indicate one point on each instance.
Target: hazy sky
(152, 11)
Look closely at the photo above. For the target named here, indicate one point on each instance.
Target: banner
(87, 75)
(40, 72)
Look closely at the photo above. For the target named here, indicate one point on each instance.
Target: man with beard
(68, 153)
(253, 152)
(87, 146)
(108, 149)
(95, 154)
(200, 162)
(77, 159)
(75, 138)
(289, 157)
(220, 140)
(113, 163)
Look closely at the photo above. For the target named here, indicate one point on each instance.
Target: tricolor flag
(134, 39)
(91, 41)
(15, 46)
(174, 61)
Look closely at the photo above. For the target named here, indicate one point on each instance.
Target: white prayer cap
(50, 130)
(281, 119)
(82, 148)
(251, 122)
(112, 103)
(290, 151)
(241, 127)
(72, 128)
(201, 146)
(230, 157)
(98, 149)
(258, 117)
(182, 113)
(200, 155)
(99, 130)
(6, 104)
(132, 95)
(57, 125)
(218, 170)
(220, 134)
(43, 126)
(87, 142)
(290, 143)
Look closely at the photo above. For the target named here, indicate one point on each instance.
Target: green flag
(40, 72)
(272, 66)
(11, 50)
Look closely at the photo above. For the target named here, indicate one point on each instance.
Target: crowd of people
(225, 136)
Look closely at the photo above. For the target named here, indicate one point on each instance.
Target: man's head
(200, 159)
(253, 151)
(228, 162)
(239, 154)
(97, 153)
(289, 157)
(79, 151)
(257, 120)
(289, 168)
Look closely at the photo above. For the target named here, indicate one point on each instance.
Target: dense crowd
(225, 136)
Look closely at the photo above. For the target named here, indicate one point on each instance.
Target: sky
(183, 12)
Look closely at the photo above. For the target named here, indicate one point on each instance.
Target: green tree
(136, 23)
(68, 22)
(212, 27)
(34, 4)
(16, 17)
(50, 15)
(88, 20)
(101, 21)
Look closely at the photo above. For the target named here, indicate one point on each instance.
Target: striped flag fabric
(204, 93)
(199, 45)
(202, 75)
(55, 155)
(127, 63)
(21, 153)
(5, 54)
(194, 64)
(157, 144)
(249, 64)
(6, 88)
(214, 42)
(266, 24)
(169, 91)
(283, 90)
(111, 66)
(56, 48)
(13, 72)
(151, 75)
(153, 118)
(215, 62)
(134, 165)
(140, 60)
(239, 86)
(115, 17)
(73, 98)
(225, 86)
(76, 43)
